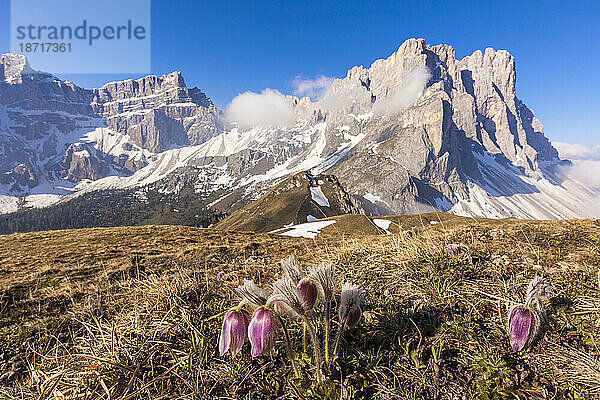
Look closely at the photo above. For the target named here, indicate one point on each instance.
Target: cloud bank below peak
(584, 169)
(586, 162)
(406, 94)
(267, 108)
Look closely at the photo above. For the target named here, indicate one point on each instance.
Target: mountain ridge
(446, 134)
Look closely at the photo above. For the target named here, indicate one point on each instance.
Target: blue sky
(229, 47)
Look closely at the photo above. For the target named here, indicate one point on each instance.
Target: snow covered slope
(54, 134)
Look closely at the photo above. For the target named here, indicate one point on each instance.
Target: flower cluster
(294, 296)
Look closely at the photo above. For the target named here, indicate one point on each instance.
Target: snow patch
(319, 197)
(362, 117)
(383, 224)
(309, 230)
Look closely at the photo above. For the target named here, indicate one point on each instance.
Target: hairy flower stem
(305, 337)
(327, 317)
(289, 346)
(339, 336)
(313, 336)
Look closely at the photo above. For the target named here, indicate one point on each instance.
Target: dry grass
(136, 312)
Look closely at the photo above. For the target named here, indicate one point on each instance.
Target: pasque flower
(293, 276)
(290, 295)
(234, 331)
(262, 330)
(526, 321)
(350, 311)
(308, 293)
(324, 276)
(456, 249)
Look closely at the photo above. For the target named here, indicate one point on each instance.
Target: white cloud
(333, 101)
(313, 88)
(584, 169)
(586, 162)
(586, 172)
(268, 108)
(570, 151)
(406, 94)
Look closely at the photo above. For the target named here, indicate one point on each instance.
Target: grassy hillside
(136, 312)
(291, 201)
(357, 224)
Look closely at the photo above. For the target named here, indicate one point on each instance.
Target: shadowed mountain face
(418, 131)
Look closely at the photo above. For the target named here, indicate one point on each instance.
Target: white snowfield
(309, 230)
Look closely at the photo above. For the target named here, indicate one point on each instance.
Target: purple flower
(262, 331)
(526, 321)
(308, 293)
(234, 331)
(350, 311)
(455, 250)
(521, 327)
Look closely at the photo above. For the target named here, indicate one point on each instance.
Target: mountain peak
(14, 66)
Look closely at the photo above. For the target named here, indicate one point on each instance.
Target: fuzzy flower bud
(287, 297)
(262, 331)
(324, 275)
(526, 321)
(456, 249)
(291, 268)
(350, 311)
(234, 331)
(523, 327)
(251, 294)
(308, 293)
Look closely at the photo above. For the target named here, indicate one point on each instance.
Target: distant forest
(113, 208)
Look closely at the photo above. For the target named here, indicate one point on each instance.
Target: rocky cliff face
(157, 113)
(63, 134)
(433, 150)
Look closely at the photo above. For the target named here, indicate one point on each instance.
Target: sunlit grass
(147, 327)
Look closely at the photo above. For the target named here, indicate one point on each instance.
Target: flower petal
(520, 327)
(262, 331)
(225, 338)
(308, 292)
(234, 331)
